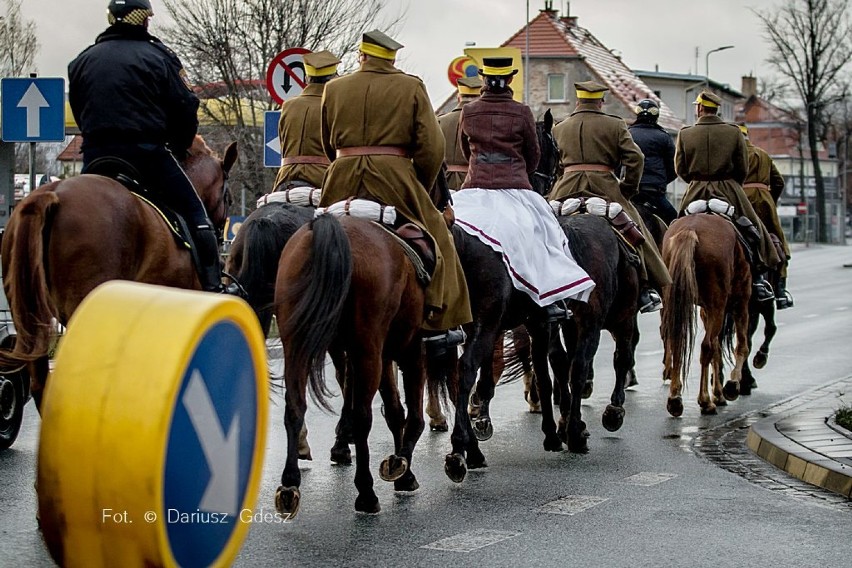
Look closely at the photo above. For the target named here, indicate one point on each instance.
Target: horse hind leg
(366, 378)
(623, 362)
(733, 387)
(413, 377)
(395, 465)
(288, 495)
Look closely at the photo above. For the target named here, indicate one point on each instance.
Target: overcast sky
(648, 33)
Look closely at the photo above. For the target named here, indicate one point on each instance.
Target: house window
(556, 88)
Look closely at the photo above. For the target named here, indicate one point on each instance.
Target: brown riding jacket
(379, 105)
(762, 170)
(299, 133)
(497, 135)
(453, 154)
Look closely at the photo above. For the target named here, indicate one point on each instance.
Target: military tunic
(712, 157)
(453, 155)
(379, 105)
(299, 132)
(762, 182)
(590, 136)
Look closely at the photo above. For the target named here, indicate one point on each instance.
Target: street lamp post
(707, 60)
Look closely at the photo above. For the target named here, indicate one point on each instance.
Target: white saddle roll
(697, 206)
(721, 207)
(302, 196)
(363, 208)
(597, 206)
(570, 206)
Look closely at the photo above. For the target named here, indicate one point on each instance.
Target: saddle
(625, 227)
(747, 234)
(416, 243)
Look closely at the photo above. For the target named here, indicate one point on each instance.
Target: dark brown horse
(710, 270)
(70, 236)
(348, 288)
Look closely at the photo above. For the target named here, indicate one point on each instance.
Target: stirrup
(234, 288)
(784, 301)
(556, 313)
(649, 301)
(763, 291)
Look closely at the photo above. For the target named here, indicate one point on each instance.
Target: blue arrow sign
(210, 452)
(33, 109)
(271, 142)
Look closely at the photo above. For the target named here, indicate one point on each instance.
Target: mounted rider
(469, 89)
(497, 203)
(382, 136)
(658, 170)
(130, 98)
(712, 157)
(593, 146)
(303, 161)
(762, 184)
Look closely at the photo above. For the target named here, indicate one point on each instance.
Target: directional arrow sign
(33, 109)
(272, 144)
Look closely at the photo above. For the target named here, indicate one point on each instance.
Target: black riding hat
(121, 8)
(647, 108)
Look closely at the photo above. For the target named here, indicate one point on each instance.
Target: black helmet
(648, 109)
(119, 9)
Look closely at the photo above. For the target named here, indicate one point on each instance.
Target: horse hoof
(587, 390)
(746, 385)
(306, 457)
(287, 501)
(632, 381)
(483, 429)
(731, 390)
(476, 459)
(535, 407)
(455, 467)
(708, 410)
(760, 359)
(439, 426)
(613, 417)
(675, 406)
(406, 483)
(552, 443)
(720, 401)
(367, 504)
(341, 456)
(393, 467)
(578, 444)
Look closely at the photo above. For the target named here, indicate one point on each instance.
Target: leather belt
(318, 160)
(708, 178)
(756, 184)
(459, 169)
(588, 168)
(372, 151)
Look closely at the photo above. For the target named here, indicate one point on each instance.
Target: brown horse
(709, 269)
(70, 236)
(348, 288)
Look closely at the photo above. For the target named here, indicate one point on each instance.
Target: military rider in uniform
(762, 183)
(468, 90)
(130, 98)
(383, 138)
(303, 161)
(592, 145)
(711, 156)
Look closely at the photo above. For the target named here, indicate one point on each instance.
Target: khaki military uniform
(712, 157)
(379, 105)
(299, 132)
(453, 154)
(591, 137)
(762, 182)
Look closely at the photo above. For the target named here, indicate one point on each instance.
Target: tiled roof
(774, 129)
(72, 152)
(551, 36)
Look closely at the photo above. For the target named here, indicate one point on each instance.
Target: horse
(709, 269)
(69, 236)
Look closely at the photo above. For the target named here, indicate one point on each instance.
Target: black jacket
(659, 151)
(128, 88)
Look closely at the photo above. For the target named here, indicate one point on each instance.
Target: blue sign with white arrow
(33, 109)
(271, 142)
(211, 447)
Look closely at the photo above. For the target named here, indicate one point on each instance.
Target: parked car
(15, 386)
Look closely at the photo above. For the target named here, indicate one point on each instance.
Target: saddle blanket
(520, 225)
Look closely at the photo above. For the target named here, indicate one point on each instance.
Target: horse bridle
(549, 178)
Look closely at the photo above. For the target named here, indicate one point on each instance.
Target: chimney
(749, 86)
(548, 7)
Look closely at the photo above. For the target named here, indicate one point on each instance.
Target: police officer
(712, 157)
(383, 138)
(658, 148)
(468, 90)
(129, 95)
(592, 146)
(762, 183)
(303, 160)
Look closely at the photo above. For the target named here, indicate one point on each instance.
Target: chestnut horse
(347, 287)
(69, 236)
(709, 269)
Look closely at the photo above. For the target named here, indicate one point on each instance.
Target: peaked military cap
(708, 99)
(497, 67)
(320, 64)
(590, 90)
(378, 44)
(469, 85)
(743, 128)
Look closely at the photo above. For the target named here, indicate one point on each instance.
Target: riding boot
(649, 300)
(783, 299)
(761, 288)
(557, 311)
(207, 246)
(439, 343)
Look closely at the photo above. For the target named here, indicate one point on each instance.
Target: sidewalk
(805, 441)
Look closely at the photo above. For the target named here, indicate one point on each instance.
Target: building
(679, 91)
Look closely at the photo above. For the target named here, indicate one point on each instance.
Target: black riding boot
(760, 288)
(649, 300)
(557, 311)
(439, 343)
(207, 246)
(783, 299)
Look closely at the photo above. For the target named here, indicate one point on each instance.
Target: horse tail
(317, 299)
(25, 278)
(517, 358)
(680, 298)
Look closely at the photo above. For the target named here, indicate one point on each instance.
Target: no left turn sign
(285, 77)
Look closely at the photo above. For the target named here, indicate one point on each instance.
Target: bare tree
(812, 46)
(227, 45)
(18, 43)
